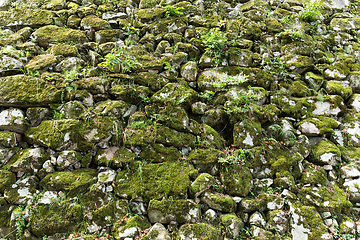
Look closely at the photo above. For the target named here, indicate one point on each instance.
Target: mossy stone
(26, 17)
(203, 182)
(51, 34)
(237, 179)
(338, 88)
(154, 181)
(206, 160)
(94, 22)
(26, 91)
(158, 153)
(65, 50)
(181, 211)
(114, 157)
(148, 14)
(247, 134)
(7, 178)
(325, 152)
(50, 219)
(7, 139)
(73, 183)
(106, 215)
(201, 230)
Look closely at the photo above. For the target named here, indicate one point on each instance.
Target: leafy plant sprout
(215, 43)
(119, 61)
(312, 11)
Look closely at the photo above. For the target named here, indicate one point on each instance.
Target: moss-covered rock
(154, 181)
(181, 211)
(237, 179)
(200, 230)
(157, 153)
(22, 191)
(41, 63)
(206, 160)
(231, 225)
(27, 160)
(51, 34)
(7, 178)
(148, 14)
(21, 90)
(74, 110)
(51, 219)
(73, 183)
(114, 157)
(175, 94)
(203, 182)
(218, 201)
(314, 175)
(319, 125)
(130, 227)
(325, 199)
(151, 80)
(26, 18)
(171, 137)
(93, 22)
(7, 139)
(130, 93)
(325, 152)
(106, 215)
(247, 134)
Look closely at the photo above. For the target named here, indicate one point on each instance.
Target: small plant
(200, 143)
(215, 43)
(173, 11)
(277, 129)
(312, 10)
(70, 77)
(206, 96)
(130, 29)
(57, 115)
(233, 157)
(119, 61)
(169, 68)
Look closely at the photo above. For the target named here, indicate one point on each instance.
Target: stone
(13, 119)
(29, 160)
(157, 232)
(181, 211)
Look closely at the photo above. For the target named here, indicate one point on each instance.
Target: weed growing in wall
(215, 43)
(312, 11)
(119, 61)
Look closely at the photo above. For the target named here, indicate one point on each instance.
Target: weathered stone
(218, 201)
(10, 66)
(66, 159)
(13, 119)
(93, 22)
(33, 18)
(181, 211)
(26, 91)
(27, 160)
(157, 232)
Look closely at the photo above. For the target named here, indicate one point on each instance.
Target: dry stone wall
(203, 119)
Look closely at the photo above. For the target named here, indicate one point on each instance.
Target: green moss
(93, 22)
(202, 182)
(219, 201)
(6, 180)
(205, 159)
(175, 94)
(181, 209)
(149, 13)
(106, 215)
(114, 157)
(200, 231)
(247, 134)
(130, 93)
(53, 34)
(325, 147)
(237, 180)
(159, 153)
(337, 88)
(27, 91)
(53, 133)
(326, 125)
(151, 80)
(73, 183)
(314, 175)
(26, 17)
(7, 139)
(64, 50)
(27, 160)
(51, 219)
(326, 198)
(154, 181)
(299, 89)
(171, 137)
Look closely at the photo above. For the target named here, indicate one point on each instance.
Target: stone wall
(126, 119)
